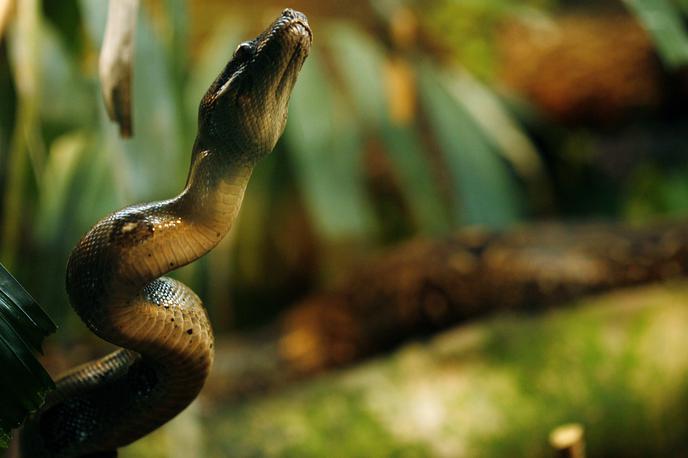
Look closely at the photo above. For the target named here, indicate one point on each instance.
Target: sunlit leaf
(325, 144)
(71, 100)
(485, 191)
(95, 17)
(360, 62)
(663, 21)
(500, 129)
(420, 188)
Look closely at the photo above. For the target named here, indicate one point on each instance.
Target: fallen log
(425, 286)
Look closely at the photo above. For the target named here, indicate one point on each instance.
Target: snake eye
(243, 51)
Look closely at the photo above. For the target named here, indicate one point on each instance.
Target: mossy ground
(615, 363)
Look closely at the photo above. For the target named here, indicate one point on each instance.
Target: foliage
(664, 21)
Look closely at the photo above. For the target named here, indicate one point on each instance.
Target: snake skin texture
(115, 273)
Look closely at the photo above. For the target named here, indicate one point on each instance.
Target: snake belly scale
(115, 275)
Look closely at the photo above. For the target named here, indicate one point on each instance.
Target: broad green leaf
(499, 128)
(23, 381)
(485, 192)
(325, 144)
(95, 17)
(663, 21)
(62, 83)
(420, 188)
(177, 37)
(360, 62)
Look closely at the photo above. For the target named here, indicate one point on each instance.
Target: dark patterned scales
(114, 275)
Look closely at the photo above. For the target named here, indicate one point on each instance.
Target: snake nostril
(289, 13)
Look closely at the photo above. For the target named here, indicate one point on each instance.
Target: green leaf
(408, 157)
(485, 193)
(23, 382)
(63, 84)
(325, 143)
(663, 21)
(158, 138)
(360, 62)
(499, 128)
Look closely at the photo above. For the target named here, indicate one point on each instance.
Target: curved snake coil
(114, 275)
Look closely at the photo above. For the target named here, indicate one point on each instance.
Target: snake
(116, 279)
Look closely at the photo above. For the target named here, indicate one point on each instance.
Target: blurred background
(410, 120)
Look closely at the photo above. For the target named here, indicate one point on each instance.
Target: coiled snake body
(114, 275)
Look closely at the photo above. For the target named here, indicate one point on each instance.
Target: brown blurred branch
(6, 11)
(116, 62)
(427, 285)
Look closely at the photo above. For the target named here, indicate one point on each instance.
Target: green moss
(311, 423)
(615, 363)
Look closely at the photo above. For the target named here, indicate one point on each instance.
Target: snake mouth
(300, 33)
(300, 28)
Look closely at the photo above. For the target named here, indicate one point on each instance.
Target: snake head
(244, 112)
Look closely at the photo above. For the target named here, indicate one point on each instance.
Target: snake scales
(115, 274)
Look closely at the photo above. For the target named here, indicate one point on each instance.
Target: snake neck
(114, 264)
(213, 194)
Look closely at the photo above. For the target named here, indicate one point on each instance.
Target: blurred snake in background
(115, 274)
